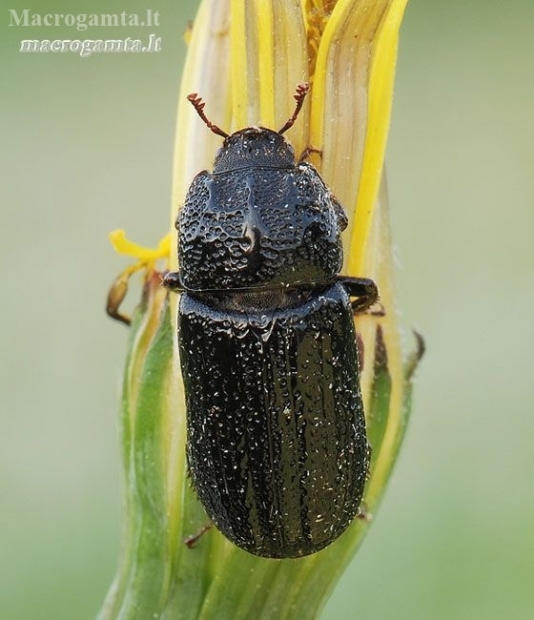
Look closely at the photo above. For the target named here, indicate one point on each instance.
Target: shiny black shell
(276, 441)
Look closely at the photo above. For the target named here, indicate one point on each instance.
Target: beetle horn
(300, 94)
(198, 104)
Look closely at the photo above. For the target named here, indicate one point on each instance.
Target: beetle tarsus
(369, 456)
(366, 292)
(308, 151)
(364, 514)
(413, 360)
(191, 541)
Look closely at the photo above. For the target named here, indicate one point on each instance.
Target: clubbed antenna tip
(300, 94)
(198, 104)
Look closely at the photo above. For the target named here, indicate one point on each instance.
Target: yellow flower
(245, 59)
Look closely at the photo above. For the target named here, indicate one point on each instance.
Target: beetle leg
(308, 151)
(369, 456)
(171, 280)
(364, 514)
(365, 290)
(191, 541)
(415, 357)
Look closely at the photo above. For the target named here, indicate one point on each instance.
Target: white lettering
(18, 19)
(87, 48)
(109, 20)
(113, 45)
(136, 46)
(80, 22)
(29, 45)
(154, 43)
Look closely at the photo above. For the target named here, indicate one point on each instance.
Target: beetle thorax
(261, 227)
(254, 147)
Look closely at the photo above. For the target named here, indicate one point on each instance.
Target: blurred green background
(87, 147)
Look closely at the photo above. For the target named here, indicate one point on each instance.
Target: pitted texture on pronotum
(276, 438)
(257, 221)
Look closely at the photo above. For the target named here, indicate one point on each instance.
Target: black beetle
(276, 441)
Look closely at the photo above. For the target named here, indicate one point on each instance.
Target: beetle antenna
(198, 104)
(300, 94)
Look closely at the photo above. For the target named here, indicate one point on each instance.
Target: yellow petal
(382, 73)
(122, 245)
(351, 107)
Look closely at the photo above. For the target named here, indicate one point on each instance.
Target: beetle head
(254, 147)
